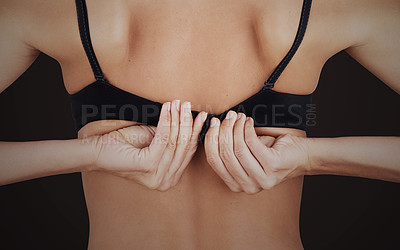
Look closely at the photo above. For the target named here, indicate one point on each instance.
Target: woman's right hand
(152, 156)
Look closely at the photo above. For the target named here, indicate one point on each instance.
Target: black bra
(104, 101)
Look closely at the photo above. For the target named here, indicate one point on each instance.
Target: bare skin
(177, 50)
(200, 212)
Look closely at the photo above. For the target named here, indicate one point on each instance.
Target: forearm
(27, 160)
(369, 157)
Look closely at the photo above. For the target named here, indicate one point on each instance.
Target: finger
(169, 151)
(267, 140)
(139, 136)
(257, 148)
(198, 125)
(182, 146)
(243, 154)
(229, 158)
(161, 137)
(213, 158)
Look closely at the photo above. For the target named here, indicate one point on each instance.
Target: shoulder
(36, 22)
(335, 25)
(27, 15)
(367, 29)
(349, 23)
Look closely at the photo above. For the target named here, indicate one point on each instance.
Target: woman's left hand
(250, 163)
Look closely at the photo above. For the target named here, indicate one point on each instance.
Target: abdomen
(200, 212)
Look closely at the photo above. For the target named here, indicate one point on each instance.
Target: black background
(337, 212)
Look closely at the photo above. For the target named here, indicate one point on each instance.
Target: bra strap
(84, 32)
(305, 13)
(269, 84)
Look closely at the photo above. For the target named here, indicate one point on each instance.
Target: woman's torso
(214, 54)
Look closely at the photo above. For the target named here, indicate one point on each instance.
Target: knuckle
(175, 179)
(164, 187)
(227, 180)
(149, 168)
(225, 153)
(211, 138)
(267, 185)
(212, 160)
(253, 144)
(171, 145)
(173, 139)
(267, 140)
(235, 189)
(192, 149)
(187, 147)
(156, 183)
(224, 124)
(251, 190)
(239, 151)
(164, 137)
(287, 136)
(223, 139)
(153, 185)
(249, 141)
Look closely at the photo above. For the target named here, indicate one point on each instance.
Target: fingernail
(204, 116)
(239, 115)
(178, 104)
(188, 107)
(213, 122)
(251, 121)
(168, 106)
(229, 115)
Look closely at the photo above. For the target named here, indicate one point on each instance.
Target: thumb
(267, 140)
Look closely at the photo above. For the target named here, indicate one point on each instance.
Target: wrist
(310, 159)
(318, 154)
(90, 152)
